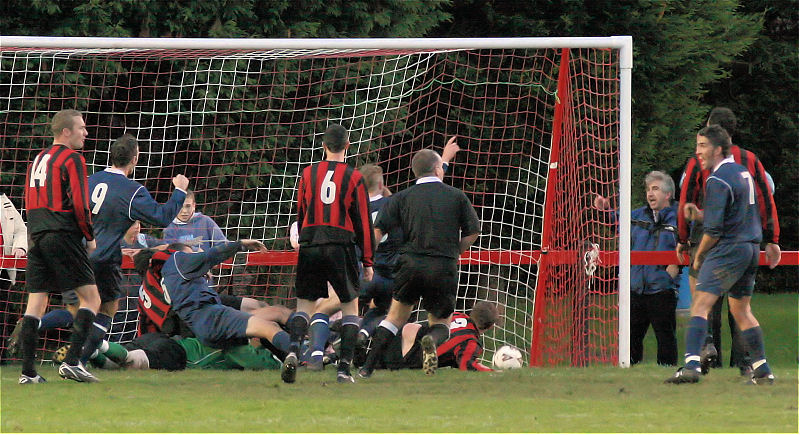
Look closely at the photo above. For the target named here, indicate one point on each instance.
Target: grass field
(596, 399)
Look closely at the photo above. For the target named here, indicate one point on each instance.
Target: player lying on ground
(462, 350)
(156, 308)
(159, 352)
(181, 275)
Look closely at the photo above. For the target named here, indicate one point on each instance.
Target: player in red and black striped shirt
(332, 217)
(462, 350)
(57, 204)
(693, 184)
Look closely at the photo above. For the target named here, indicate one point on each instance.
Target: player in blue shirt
(731, 237)
(185, 285)
(377, 294)
(116, 202)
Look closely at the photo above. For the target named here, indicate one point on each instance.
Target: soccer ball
(507, 358)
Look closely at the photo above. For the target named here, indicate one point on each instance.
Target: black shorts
(434, 279)
(109, 280)
(319, 265)
(163, 352)
(57, 261)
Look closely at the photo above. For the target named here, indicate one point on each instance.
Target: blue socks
(372, 317)
(56, 319)
(695, 335)
(318, 333)
(754, 340)
(281, 341)
(298, 326)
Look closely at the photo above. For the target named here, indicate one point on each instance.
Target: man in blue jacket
(654, 288)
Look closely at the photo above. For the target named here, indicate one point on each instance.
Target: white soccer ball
(507, 358)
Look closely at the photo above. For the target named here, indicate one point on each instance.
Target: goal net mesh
(242, 125)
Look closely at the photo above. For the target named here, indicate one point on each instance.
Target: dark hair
(373, 175)
(424, 162)
(718, 137)
(335, 138)
(63, 119)
(484, 315)
(141, 261)
(123, 150)
(724, 117)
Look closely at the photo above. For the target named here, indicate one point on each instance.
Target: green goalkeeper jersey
(245, 356)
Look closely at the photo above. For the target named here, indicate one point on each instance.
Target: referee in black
(439, 223)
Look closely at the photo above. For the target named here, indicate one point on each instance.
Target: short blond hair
(373, 176)
(63, 119)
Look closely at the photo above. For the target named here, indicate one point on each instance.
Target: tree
(762, 90)
(222, 18)
(679, 50)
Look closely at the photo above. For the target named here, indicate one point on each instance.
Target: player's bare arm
(773, 254)
(450, 150)
(467, 241)
(253, 245)
(706, 243)
(181, 182)
(692, 212)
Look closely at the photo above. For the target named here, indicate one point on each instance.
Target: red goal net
(538, 128)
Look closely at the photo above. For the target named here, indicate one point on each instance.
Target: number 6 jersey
(332, 208)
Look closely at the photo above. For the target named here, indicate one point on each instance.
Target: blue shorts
(729, 267)
(218, 326)
(108, 277)
(379, 290)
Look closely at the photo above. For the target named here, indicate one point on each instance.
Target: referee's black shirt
(434, 217)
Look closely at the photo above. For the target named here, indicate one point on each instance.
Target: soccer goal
(543, 124)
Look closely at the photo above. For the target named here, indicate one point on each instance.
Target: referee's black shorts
(319, 265)
(57, 261)
(434, 279)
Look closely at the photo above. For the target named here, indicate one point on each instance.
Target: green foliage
(222, 18)
(762, 91)
(680, 47)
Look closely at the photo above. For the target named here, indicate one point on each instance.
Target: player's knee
(257, 327)
(89, 297)
(109, 308)
(249, 305)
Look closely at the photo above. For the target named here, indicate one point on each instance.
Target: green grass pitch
(595, 399)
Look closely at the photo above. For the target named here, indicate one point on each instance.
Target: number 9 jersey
(116, 202)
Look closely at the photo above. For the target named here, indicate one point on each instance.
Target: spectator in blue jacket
(654, 294)
(193, 228)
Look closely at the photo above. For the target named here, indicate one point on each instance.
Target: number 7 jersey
(731, 210)
(333, 208)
